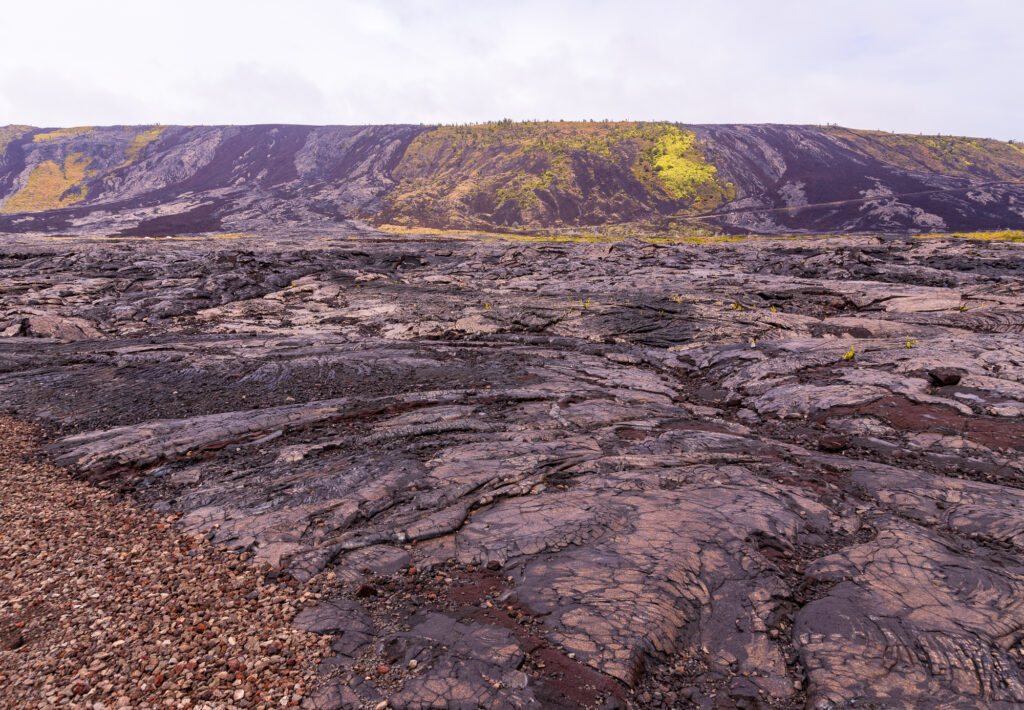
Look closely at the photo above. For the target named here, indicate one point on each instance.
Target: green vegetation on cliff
(141, 140)
(61, 133)
(58, 180)
(551, 173)
(138, 144)
(683, 171)
(534, 178)
(50, 186)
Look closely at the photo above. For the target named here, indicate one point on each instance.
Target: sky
(916, 66)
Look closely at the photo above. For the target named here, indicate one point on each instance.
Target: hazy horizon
(910, 67)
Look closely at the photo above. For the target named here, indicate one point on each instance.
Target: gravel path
(103, 605)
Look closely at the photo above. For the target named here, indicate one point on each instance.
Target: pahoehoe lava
(766, 473)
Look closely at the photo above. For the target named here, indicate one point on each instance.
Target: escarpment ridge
(776, 179)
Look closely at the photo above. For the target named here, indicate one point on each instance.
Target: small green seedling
(850, 354)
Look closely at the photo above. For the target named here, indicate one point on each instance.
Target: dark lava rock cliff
(164, 180)
(154, 181)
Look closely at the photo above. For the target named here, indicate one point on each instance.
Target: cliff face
(800, 178)
(160, 180)
(157, 180)
(553, 174)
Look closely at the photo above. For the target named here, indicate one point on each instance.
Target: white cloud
(936, 66)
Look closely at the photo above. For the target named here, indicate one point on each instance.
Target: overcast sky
(933, 66)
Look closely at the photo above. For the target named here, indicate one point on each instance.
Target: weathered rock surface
(758, 474)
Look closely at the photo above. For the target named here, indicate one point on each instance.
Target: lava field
(772, 473)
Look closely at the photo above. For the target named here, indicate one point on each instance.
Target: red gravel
(104, 605)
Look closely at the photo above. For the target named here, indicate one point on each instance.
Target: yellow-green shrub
(51, 185)
(682, 171)
(61, 133)
(141, 141)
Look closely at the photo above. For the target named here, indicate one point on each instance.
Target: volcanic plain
(551, 415)
(755, 473)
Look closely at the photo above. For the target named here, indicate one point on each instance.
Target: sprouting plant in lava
(851, 353)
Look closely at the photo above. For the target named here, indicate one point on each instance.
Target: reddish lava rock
(833, 443)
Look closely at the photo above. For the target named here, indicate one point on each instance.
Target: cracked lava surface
(768, 473)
